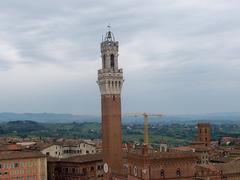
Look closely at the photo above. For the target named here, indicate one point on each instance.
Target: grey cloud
(171, 51)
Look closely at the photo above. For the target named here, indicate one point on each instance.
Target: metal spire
(109, 28)
(109, 35)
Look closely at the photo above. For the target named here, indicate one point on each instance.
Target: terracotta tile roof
(41, 146)
(222, 159)
(174, 154)
(9, 155)
(193, 149)
(184, 148)
(197, 143)
(232, 167)
(229, 168)
(10, 147)
(74, 142)
(210, 167)
(79, 159)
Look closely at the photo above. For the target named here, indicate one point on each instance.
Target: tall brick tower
(110, 80)
(204, 133)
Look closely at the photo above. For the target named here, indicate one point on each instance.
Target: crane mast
(146, 116)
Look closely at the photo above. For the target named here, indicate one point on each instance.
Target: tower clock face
(105, 167)
(135, 171)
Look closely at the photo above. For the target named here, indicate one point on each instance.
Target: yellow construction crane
(145, 115)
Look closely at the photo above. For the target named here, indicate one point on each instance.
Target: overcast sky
(178, 56)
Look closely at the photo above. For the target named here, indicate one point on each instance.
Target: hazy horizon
(124, 113)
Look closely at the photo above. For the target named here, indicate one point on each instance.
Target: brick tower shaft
(112, 133)
(204, 133)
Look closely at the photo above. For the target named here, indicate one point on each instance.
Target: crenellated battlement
(109, 46)
(110, 77)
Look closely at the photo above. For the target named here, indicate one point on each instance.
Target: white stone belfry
(110, 78)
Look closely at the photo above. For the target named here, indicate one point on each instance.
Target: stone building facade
(148, 165)
(23, 165)
(76, 168)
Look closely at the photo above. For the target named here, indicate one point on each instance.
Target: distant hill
(228, 117)
(47, 117)
(175, 134)
(217, 118)
(222, 117)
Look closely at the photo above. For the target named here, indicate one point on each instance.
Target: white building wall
(53, 151)
(65, 151)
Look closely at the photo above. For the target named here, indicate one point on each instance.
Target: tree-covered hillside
(174, 134)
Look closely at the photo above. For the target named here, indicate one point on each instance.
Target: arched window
(119, 83)
(178, 173)
(162, 173)
(112, 61)
(104, 61)
(163, 149)
(109, 83)
(115, 83)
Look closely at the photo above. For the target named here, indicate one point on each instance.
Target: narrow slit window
(112, 61)
(178, 172)
(104, 61)
(162, 173)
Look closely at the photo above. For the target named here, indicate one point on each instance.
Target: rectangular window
(16, 165)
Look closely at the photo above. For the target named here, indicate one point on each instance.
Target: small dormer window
(112, 61)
